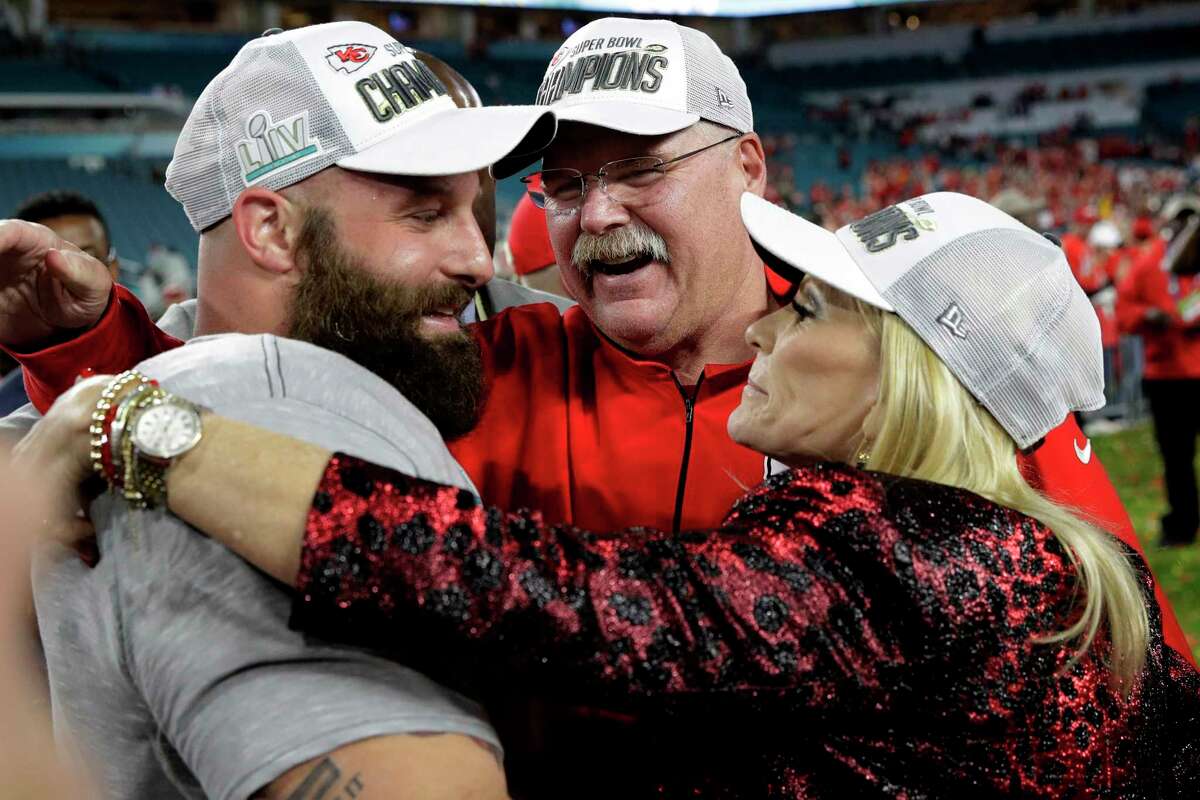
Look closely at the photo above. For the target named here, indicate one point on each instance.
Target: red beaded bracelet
(108, 409)
(106, 461)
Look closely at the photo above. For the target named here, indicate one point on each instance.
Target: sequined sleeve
(891, 625)
(806, 586)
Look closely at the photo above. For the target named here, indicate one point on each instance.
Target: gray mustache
(623, 244)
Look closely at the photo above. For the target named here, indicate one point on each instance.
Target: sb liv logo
(271, 146)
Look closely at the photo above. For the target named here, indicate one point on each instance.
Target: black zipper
(689, 409)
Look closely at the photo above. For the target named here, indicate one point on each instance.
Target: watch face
(166, 430)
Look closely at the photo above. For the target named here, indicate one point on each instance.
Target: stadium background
(1083, 111)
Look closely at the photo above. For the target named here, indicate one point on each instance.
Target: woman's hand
(248, 488)
(56, 453)
(28, 758)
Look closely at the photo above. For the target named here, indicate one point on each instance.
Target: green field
(1132, 461)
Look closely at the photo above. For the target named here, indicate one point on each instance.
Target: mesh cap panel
(206, 174)
(1003, 336)
(715, 89)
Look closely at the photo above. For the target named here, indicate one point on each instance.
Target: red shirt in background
(1091, 275)
(1094, 274)
(1172, 352)
(650, 453)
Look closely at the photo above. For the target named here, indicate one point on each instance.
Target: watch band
(100, 430)
(151, 483)
(117, 428)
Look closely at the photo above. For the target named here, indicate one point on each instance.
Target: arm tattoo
(324, 782)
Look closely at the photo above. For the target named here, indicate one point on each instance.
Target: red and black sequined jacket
(843, 634)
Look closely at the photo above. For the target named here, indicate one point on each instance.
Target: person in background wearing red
(530, 253)
(1095, 276)
(1074, 241)
(1160, 301)
(1075, 245)
(1145, 244)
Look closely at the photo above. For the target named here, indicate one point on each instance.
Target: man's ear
(268, 226)
(753, 163)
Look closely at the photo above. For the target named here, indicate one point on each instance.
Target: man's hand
(57, 450)
(47, 285)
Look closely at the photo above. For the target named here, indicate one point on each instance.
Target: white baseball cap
(994, 299)
(646, 77)
(1104, 234)
(344, 93)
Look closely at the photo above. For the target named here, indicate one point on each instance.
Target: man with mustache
(313, 168)
(614, 413)
(497, 294)
(653, 361)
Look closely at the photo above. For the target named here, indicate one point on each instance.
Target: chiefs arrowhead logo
(349, 57)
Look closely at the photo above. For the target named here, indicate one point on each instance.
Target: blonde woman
(898, 615)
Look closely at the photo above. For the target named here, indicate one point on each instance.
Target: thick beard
(338, 305)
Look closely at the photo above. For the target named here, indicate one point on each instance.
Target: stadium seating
(930, 71)
(47, 75)
(1170, 105)
(129, 194)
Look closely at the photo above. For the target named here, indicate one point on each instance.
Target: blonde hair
(933, 429)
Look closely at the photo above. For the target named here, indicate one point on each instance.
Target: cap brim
(461, 140)
(797, 247)
(640, 119)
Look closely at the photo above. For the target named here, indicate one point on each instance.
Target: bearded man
(614, 413)
(313, 168)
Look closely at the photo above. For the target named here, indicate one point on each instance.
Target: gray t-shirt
(171, 663)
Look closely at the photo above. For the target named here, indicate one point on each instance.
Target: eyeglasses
(622, 180)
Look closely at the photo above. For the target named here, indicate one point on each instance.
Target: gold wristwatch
(157, 433)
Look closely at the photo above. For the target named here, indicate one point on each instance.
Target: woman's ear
(873, 421)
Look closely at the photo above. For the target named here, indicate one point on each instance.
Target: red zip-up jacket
(575, 427)
(1172, 352)
(589, 435)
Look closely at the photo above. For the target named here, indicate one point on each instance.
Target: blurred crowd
(1053, 182)
(1113, 216)
(943, 127)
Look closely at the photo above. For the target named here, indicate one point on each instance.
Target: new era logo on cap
(646, 77)
(954, 321)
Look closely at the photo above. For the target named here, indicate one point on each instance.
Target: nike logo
(1083, 453)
